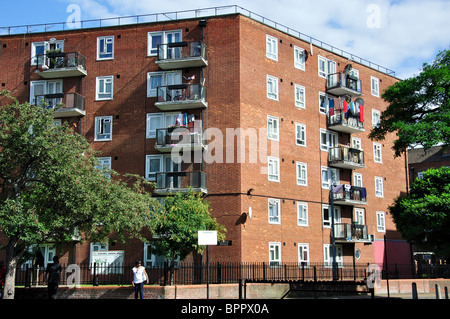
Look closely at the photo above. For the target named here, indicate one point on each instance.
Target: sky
(397, 34)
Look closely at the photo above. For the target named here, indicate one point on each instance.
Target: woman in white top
(139, 275)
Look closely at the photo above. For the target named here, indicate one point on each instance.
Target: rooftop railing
(188, 14)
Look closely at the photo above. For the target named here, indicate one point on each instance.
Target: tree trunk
(11, 265)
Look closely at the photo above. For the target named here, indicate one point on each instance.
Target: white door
(172, 37)
(54, 87)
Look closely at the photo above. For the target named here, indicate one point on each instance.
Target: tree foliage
(177, 223)
(51, 189)
(419, 108)
(423, 216)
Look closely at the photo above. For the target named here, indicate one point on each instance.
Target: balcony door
(172, 164)
(173, 37)
(39, 89)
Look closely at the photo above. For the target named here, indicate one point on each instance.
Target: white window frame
(377, 153)
(106, 40)
(273, 169)
(165, 119)
(164, 76)
(100, 122)
(325, 97)
(326, 67)
(357, 179)
(273, 128)
(376, 117)
(331, 140)
(302, 174)
(375, 86)
(302, 214)
(272, 87)
(300, 96)
(359, 216)
(379, 192)
(101, 88)
(332, 176)
(151, 175)
(381, 222)
(303, 248)
(299, 58)
(300, 134)
(45, 88)
(274, 211)
(59, 45)
(271, 47)
(274, 254)
(104, 164)
(327, 255)
(153, 51)
(356, 143)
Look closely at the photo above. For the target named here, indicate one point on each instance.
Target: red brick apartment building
(122, 86)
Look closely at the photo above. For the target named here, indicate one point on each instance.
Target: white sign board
(207, 237)
(108, 261)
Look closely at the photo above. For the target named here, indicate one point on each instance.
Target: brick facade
(235, 79)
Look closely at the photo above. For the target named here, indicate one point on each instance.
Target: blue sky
(398, 34)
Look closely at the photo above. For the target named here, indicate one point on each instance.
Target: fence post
(219, 273)
(414, 290)
(315, 274)
(437, 288)
(94, 279)
(446, 292)
(264, 270)
(166, 272)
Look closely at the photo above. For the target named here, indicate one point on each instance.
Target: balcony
(345, 122)
(346, 157)
(181, 96)
(61, 65)
(349, 195)
(65, 105)
(171, 182)
(185, 138)
(340, 84)
(351, 233)
(180, 55)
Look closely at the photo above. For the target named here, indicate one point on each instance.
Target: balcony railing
(346, 122)
(346, 157)
(349, 195)
(179, 55)
(170, 182)
(189, 138)
(351, 233)
(65, 105)
(181, 96)
(61, 64)
(343, 84)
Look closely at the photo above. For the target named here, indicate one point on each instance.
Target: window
(326, 216)
(375, 86)
(302, 214)
(326, 67)
(156, 79)
(323, 102)
(357, 179)
(152, 259)
(104, 165)
(300, 134)
(271, 48)
(274, 169)
(330, 176)
(159, 120)
(153, 165)
(328, 140)
(359, 216)
(274, 211)
(377, 153)
(104, 89)
(299, 58)
(272, 87)
(164, 37)
(381, 223)
(328, 255)
(300, 96)
(38, 90)
(274, 254)
(38, 48)
(303, 254)
(105, 48)
(379, 186)
(302, 174)
(376, 115)
(103, 128)
(272, 128)
(356, 143)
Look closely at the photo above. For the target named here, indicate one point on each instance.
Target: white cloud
(410, 32)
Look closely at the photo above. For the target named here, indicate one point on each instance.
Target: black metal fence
(216, 273)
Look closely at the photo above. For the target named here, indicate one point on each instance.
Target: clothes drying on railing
(349, 108)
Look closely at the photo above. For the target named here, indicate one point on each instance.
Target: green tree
(423, 215)
(177, 224)
(419, 108)
(52, 190)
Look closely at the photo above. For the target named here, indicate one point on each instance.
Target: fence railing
(190, 273)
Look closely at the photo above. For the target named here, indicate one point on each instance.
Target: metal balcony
(186, 138)
(349, 195)
(351, 233)
(340, 84)
(345, 122)
(179, 55)
(61, 65)
(65, 105)
(171, 182)
(346, 157)
(181, 96)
